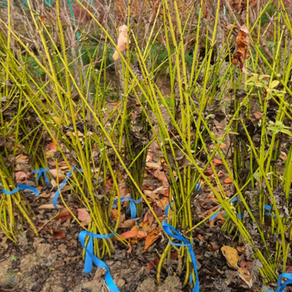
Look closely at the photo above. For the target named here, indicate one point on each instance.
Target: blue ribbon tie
(90, 257)
(232, 201)
(268, 208)
(132, 206)
(40, 172)
(281, 287)
(21, 187)
(172, 232)
(57, 193)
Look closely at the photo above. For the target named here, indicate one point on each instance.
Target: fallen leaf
(129, 234)
(49, 206)
(217, 161)
(228, 180)
(161, 176)
(127, 224)
(153, 165)
(83, 216)
(283, 156)
(208, 171)
(20, 176)
(246, 265)
(129, 251)
(219, 217)
(122, 41)
(162, 203)
(151, 238)
(63, 216)
(151, 194)
(148, 218)
(153, 264)
(231, 256)
(241, 249)
(245, 276)
(57, 173)
(242, 52)
(114, 214)
(59, 234)
(258, 115)
(222, 146)
(52, 145)
(158, 211)
(141, 234)
(200, 237)
(21, 159)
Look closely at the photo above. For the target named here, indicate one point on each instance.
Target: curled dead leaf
(122, 41)
(242, 52)
(151, 238)
(245, 276)
(59, 234)
(49, 207)
(231, 256)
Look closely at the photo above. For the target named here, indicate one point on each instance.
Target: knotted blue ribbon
(57, 193)
(232, 201)
(172, 232)
(21, 187)
(132, 206)
(281, 287)
(90, 257)
(40, 172)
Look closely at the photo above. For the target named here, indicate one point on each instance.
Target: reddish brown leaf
(129, 234)
(217, 161)
(59, 234)
(63, 216)
(242, 52)
(219, 217)
(228, 180)
(208, 171)
(148, 218)
(153, 264)
(151, 238)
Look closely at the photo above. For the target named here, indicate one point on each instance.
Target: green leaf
(274, 84)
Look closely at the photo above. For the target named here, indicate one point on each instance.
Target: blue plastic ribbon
(268, 208)
(215, 215)
(21, 187)
(167, 209)
(90, 257)
(172, 232)
(132, 206)
(57, 193)
(40, 172)
(281, 287)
